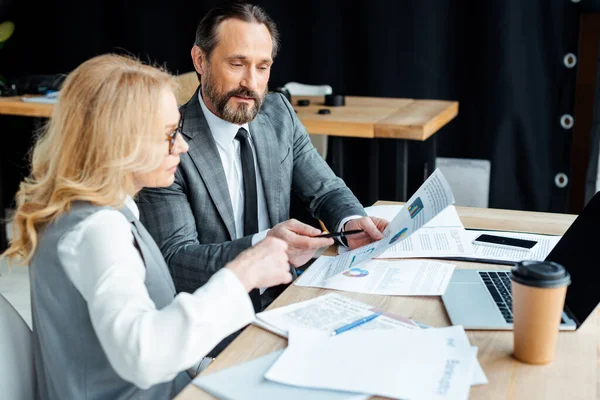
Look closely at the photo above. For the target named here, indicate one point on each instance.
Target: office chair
(469, 180)
(300, 89)
(17, 373)
(186, 87)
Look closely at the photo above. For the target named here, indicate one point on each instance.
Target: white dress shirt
(229, 150)
(144, 345)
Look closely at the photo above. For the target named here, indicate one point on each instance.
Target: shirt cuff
(236, 294)
(341, 226)
(259, 237)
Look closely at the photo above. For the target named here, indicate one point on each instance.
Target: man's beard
(244, 112)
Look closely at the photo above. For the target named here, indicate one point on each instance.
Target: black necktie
(250, 198)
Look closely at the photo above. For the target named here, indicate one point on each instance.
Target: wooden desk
(379, 118)
(574, 374)
(16, 106)
(365, 117)
(361, 117)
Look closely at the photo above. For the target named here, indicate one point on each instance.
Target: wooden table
(361, 117)
(16, 106)
(574, 374)
(379, 118)
(376, 117)
(364, 117)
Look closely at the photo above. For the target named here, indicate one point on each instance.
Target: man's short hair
(206, 32)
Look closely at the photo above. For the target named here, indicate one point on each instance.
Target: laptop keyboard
(498, 284)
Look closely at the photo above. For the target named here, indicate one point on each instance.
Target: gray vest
(69, 360)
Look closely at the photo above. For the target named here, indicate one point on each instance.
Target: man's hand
(372, 227)
(263, 265)
(298, 236)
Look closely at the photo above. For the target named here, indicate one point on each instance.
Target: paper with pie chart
(383, 277)
(430, 200)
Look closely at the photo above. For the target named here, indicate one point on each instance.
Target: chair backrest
(469, 180)
(301, 89)
(186, 87)
(17, 373)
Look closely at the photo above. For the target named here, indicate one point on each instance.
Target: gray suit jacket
(192, 220)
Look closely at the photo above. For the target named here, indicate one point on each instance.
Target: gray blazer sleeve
(325, 195)
(168, 216)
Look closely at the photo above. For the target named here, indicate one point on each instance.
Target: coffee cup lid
(543, 274)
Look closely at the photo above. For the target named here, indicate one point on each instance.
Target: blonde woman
(107, 323)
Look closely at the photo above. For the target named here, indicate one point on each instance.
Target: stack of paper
(431, 199)
(249, 383)
(389, 355)
(351, 271)
(407, 364)
(326, 313)
(429, 227)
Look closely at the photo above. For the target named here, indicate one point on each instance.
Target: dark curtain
(501, 59)
(590, 187)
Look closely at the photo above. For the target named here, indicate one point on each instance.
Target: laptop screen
(578, 252)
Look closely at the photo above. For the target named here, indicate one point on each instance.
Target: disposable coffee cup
(538, 290)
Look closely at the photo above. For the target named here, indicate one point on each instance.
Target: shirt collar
(132, 206)
(223, 131)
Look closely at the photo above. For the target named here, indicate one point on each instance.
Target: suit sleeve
(168, 216)
(325, 195)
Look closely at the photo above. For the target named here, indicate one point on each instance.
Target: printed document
(443, 236)
(327, 313)
(446, 219)
(383, 277)
(539, 252)
(431, 199)
(407, 364)
(433, 243)
(250, 384)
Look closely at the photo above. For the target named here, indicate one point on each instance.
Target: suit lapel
(265, 141)
(205, 156)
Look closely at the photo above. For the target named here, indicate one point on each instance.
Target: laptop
(481, 299)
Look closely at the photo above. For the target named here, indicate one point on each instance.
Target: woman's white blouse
(144, 345)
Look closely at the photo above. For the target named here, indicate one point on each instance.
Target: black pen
(339, 234)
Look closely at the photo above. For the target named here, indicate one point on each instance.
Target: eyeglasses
(173, 135)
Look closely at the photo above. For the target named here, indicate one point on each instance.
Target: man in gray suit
(247, 153)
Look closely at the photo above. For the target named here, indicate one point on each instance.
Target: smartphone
(501, 241)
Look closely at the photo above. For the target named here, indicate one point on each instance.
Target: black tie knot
(242, 135)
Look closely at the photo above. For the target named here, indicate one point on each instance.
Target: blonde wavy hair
(100, 134)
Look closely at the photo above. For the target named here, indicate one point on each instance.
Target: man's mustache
(243, 92)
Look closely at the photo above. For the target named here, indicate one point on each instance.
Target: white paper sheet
(332, 310)
(327, 313)
(432, 198)
(539, 252)
(412, 364)
(384, 277)
(458, 337)
(447, 218)
(443, 236)
(250, 384)
(433, 243)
